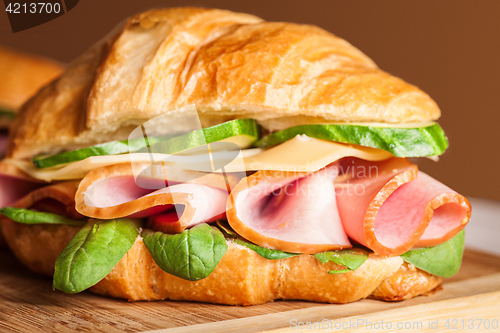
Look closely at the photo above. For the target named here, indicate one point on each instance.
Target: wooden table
(28, 304)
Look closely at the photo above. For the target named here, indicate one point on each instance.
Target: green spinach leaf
(7, 114)
(26, 216)
(441, 260)
(191, 255)
(262, 251)
(265, 252)
(351, 259)
(224, 226)
(93, 252)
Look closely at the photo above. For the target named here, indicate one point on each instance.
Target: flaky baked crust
(22, 75)
(241, 278)
(229, 65)
(406, 283)
(37, 246)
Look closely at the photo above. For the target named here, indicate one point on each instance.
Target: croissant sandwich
(21, 76)
(204, 155)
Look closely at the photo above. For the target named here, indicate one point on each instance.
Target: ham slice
(399, 207)
(37, 246)
(292, 212)
(14, 184)
(444, 212)
(388, 206)
(3, 143)
(58, 198)
(113, 192)
(363, 189)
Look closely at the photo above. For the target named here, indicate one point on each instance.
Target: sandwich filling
(337, 201)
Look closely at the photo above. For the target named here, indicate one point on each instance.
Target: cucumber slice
(242, 132)
(428, 140)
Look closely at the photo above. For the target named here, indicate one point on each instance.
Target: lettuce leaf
(26, 216)
(191, 255)
(351, 259)
(441, 260)
(93, 253)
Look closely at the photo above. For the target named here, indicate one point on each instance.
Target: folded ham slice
(444, 212)
(292, 212)
(363, 189)
(399, 207)
(58, 198)
(25, 240)
(3, 143)
(14, 184)
(388, 206)
(113, 192)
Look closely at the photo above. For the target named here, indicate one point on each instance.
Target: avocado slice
(405, 141)
(243, 132)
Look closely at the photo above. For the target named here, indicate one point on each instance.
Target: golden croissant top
(229, 65)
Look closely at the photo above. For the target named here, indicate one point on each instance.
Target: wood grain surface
(28, 304)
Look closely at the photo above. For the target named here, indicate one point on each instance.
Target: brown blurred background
(449, 48)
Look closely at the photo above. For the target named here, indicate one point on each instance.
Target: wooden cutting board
(28, 304)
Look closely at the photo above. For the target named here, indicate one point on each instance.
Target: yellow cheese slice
(300, 154)
(78, 170)
(303, 153)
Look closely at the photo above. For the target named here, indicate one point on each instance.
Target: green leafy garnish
(441, 260)
(93, 253)
(26, 216)
(7, 114)
(351, 259)
(191, 255)
(262, 251)
(265, 252)
(226, 229)
(429, 140)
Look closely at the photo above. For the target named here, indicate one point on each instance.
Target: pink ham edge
(295, 213)
(59, 198)
(387, 206)
(208, 202)
(3, 143)
(111, 192)
(447, 210)
(395, 211)
(14, 184)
